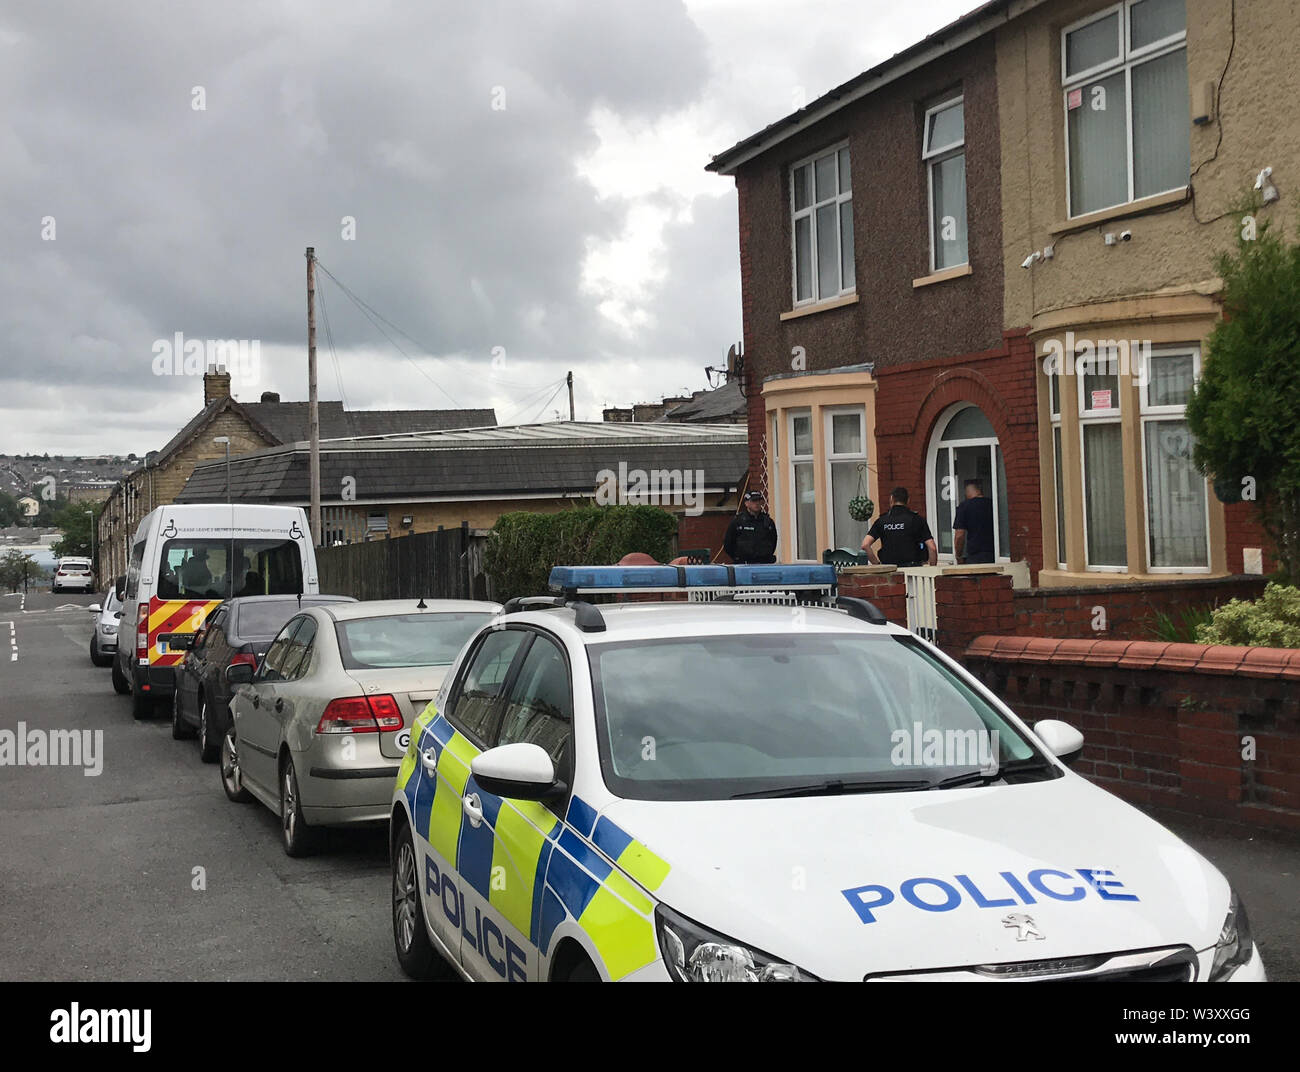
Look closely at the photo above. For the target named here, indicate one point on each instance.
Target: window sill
(1119, 212)
(820, 307)
(942, 277)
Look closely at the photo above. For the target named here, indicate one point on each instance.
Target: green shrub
(1272, 621)
(524, 546)
(1180, 627)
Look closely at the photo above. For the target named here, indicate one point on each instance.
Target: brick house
(251, 426)
(896, 316)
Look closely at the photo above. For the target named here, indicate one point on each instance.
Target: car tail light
(360, 714)
(142, 632)
(245, 657)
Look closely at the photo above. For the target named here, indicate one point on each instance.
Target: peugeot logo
(1024, 925)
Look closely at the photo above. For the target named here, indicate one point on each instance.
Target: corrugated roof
(560, 458)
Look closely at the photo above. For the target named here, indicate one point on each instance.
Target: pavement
(145, 871)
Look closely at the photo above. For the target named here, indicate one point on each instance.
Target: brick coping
(1275, 663)
(1141, 586)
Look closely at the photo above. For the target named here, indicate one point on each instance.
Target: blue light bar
(631, 578)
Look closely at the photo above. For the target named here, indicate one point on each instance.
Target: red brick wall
(706, 530)
(1243, 529)
(885, 590)
(968, 606)
(1210, 731)
(1129, 610)
(1001, 382)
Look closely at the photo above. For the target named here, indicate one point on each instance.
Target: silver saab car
(318, 729)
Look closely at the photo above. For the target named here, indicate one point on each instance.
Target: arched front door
(965, 447)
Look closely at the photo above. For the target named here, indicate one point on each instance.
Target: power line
(375, 319)
(545, 404)
(530, 399)
(329, 338)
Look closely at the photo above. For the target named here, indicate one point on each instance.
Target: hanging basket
(861, 508)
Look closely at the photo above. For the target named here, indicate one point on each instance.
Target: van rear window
(220, 569)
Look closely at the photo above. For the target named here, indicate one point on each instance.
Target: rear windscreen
(258, 620)
(405, 639)
(220, 569)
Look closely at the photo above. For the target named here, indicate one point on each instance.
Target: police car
(719, 788)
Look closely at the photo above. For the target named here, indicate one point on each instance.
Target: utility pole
(313, 409)
(571, 395)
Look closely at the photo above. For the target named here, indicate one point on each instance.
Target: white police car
(719, 790)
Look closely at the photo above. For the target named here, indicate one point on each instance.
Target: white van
(185, 559)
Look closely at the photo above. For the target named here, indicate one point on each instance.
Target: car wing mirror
(95, 608)
(1061, 739)
(239, 674)
(520, 771)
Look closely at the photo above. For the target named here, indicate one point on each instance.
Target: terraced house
(1040, 187)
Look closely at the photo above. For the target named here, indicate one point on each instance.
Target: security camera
(1028, 262)
(1126, 236)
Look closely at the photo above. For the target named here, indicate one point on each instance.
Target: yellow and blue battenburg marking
(545, 870)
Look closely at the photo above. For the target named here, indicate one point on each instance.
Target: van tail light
(361, 714)
(142, 633)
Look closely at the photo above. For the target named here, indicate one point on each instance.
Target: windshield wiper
(1019, 766)
(833, 787)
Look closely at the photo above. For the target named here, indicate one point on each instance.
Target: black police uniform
(902, 533)
(751, 538)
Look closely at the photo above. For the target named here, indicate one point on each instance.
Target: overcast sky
(527, 183)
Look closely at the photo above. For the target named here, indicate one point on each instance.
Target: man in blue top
(972, 526)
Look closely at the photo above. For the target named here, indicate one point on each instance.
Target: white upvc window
(1058, 463)
(821, 233)
(803, 486)
(944, 151)
(846, 472)
(777, 503)
(1176, 504)
(1127, 110)
(1101, 443)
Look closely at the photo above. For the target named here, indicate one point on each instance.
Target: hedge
(524, 546)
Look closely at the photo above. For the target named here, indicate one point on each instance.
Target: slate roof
(722, 404)
(560, 458)
(288, 422)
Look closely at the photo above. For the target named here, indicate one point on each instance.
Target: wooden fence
(446, 564)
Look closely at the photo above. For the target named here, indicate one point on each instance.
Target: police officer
(902, 534)
(751, 536)
(972, 525)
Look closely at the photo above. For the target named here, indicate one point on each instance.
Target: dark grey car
(238, 631)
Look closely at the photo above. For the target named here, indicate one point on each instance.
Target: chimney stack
(216, 384)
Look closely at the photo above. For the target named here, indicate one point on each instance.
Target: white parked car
(73, 575)
(105, 619)
(712, 791)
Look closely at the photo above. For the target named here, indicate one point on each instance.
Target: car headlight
(109, 630)
(1235, 944)
(694, 954)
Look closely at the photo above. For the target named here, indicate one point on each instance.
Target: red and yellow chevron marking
(175, 616)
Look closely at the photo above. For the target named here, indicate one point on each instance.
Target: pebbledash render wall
(933, 339)
(1160, 285)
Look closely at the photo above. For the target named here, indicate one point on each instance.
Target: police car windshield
(761, 714)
